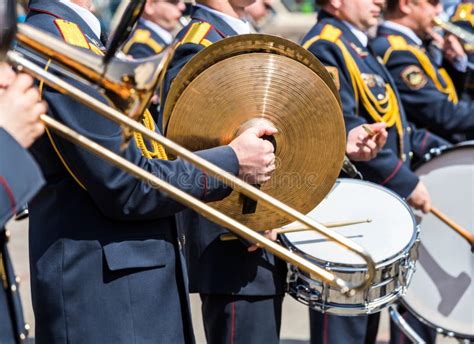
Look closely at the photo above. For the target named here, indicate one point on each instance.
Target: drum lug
(305, 293)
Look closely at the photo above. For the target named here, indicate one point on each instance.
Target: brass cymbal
(245, 79)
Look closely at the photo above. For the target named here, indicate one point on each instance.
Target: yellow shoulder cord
(398, 43)
(53, 143)
(158, 150)
(452, 95)
(143, 37)
(384, 110)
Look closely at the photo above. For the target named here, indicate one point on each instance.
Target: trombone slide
(28, 39)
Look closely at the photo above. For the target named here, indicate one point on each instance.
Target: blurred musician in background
(154, 33)
(340, 41)
(427, 91)
(463, 17)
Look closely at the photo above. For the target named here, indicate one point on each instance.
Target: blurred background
(287, 18)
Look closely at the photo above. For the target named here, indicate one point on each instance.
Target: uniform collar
(404, 30)
(165, 35)
(349, 31)
(87, 16)
(361, 36)
(240, 26)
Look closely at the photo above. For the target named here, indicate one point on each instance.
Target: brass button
(13, 288)
(380, 96)
(409, 130)
(404, 157)
(410, 155)
(17, 279)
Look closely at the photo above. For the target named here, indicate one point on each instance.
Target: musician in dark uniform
(427, 92)
(464, 80)
(153, 32)
(241, 291)
(20, 179)
(106, 263)
(339, 40)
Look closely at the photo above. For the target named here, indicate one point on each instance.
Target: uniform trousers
(332, 329)
(238, 319)
(7, 331)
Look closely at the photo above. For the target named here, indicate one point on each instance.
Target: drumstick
(461, 231)
(228, 236)
(368, 130)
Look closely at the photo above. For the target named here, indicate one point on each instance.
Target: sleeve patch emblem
(414, 77)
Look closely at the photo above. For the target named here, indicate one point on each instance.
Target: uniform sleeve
(424, 103)
(20, 177)
(140, 51)
(115, 192)
(386, 168)
(422, 141)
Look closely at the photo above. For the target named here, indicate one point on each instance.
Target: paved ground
(295, 329)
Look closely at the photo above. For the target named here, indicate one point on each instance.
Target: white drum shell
(390, 239)
(447, 304)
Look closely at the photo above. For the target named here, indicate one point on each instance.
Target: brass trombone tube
(229, 179)
(455, 30)
(186, 199)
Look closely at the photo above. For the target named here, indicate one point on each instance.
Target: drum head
(441, 291)
(390, 232)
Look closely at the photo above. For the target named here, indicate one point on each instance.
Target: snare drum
(390, 238)
(442, 292)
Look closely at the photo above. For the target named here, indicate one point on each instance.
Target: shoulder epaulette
(71, 33)
(397, 42)
(328, 33)
(464, 13)
(197, 34)
(141, 36)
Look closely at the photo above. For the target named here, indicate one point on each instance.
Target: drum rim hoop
(359, 267)
(436, 153)
(438, 328)
(429, 157)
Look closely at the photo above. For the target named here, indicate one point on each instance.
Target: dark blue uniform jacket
(105, 263)
(427, 105)
(144, 42)
(391, 167)
(20, 177)
(217, 267)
